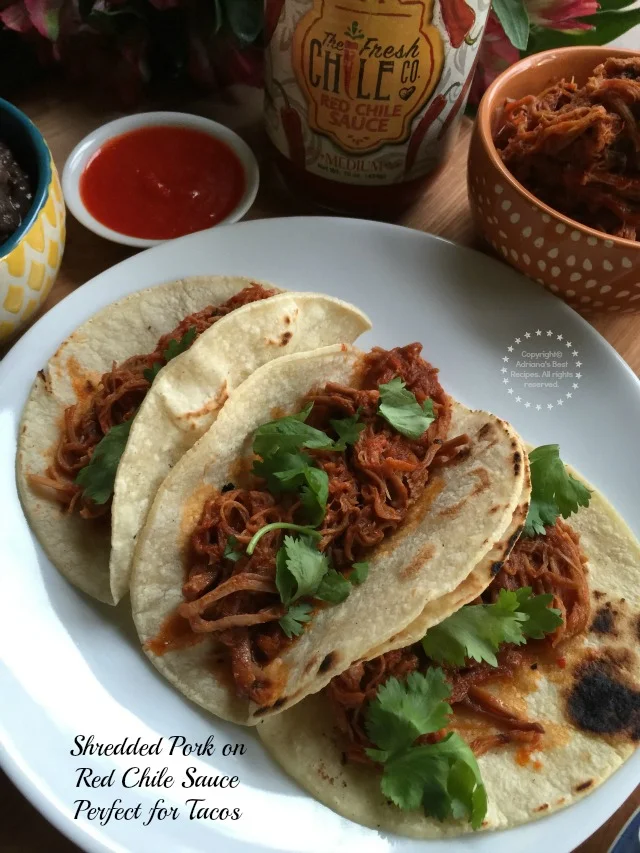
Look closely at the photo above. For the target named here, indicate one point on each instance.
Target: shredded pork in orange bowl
(554, 174)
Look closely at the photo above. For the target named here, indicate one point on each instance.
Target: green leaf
(348, 430)
(334, 587)
(554, 492)
(359, 573)
(230, 552)
(300, 568)
(98, 477)
(443, 777)
(288, 435)
(173, 349)
(608, 25)
(292, 621)
(315, 494)
(399, 407)
(477, 631)
(541, 619)
(402, 711)
(514, 18)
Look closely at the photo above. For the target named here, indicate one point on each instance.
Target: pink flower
(495, 54)
(561, 14)
(15, 18)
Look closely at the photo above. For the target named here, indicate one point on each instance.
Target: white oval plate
(74, 667)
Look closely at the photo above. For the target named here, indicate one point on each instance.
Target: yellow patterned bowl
(30, 258)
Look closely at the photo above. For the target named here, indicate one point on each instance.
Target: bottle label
(365, 91)
(364, 80)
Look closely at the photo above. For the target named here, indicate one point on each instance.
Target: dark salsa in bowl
(16, 193)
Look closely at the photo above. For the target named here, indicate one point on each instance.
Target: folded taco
(133, 388)
(499, 711)
(335, 496)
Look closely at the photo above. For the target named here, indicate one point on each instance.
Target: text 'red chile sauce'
(161, 182)
(362, 96)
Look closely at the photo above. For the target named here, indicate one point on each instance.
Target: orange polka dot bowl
(592, 271)
(30, 258)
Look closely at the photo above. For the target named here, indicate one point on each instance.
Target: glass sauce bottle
(363, 96)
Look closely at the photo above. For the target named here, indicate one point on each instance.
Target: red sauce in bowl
(161, 182)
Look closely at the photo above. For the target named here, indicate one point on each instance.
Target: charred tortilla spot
(603, 622)
(485, 431)
(514, 537)
(228, 487)
(310, 664)
(260, 712)
(601, 702)
(542, 808)
(285, 338)
(423, 556)
(517, 462)
(495, 567)
(494, 509)
(454, 509)
(484, 481)
(328, 662)
(597, 593)
(583, 785)
(638, 626)
(287, 320)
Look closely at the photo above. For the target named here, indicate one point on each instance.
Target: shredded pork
(578, 148)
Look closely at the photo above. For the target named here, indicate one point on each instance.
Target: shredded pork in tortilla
(372, 485)
(552, 563)
(114, 400)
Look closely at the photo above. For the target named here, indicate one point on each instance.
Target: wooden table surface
(64, 117)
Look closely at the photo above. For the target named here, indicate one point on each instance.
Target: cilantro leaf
(399, 407)
(173, 349)
(287, 472)
(288, 435)
(402, 711)
(291, 622)
(230, 552)
(334, 587)
(477, 631)
(348, 430)
(443, 777)
(542, 619)
(554, 491)
(359, 573)
(300, 568)
(98, 477)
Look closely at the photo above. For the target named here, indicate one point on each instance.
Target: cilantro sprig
(172, 349)
(443, 777)
(98, 477)
(477, 631)
(554, 492)
(400, 408)
(304, 572)
(286, 468)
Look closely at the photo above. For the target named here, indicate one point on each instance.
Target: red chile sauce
(161, 182)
